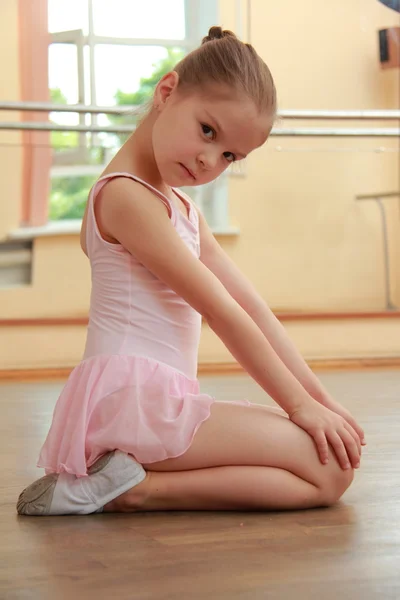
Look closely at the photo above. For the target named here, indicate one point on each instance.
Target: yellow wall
(304, 241)
(10, 141)
(320, 249)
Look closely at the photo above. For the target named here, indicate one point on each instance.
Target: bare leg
(241, 458)
(219, 488)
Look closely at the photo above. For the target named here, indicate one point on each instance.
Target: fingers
(335, 430)
(353, 447)
(339, 449)
(344, 445)
(355, 437)
(359, 431)
(322, 446)
(346, 449)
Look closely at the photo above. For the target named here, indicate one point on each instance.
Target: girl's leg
(220, 488)
(240, 458)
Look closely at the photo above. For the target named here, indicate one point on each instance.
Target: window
(106, 54)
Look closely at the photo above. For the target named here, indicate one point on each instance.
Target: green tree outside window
(68, 195)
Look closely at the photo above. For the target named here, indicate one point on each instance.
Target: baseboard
(342, 364)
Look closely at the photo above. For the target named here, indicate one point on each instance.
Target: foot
(134, 500)
(65, 494)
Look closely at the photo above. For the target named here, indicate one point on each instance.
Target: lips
(188, 171)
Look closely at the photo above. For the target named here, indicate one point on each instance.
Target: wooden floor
(348, 552)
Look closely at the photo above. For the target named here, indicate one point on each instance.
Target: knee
(334, 486)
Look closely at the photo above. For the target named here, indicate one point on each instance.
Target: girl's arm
(134, 216)
(245, 294)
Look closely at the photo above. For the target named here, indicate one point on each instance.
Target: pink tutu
(133, 403)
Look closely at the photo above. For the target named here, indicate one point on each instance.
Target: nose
(208, 160)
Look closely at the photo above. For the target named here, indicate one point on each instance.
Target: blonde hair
(223, 59)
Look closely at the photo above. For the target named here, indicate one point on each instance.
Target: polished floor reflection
(350, 551)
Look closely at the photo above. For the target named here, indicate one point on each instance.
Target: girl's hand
(343, 412)
(325, 426)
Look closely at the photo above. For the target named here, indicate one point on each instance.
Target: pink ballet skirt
(136, 388)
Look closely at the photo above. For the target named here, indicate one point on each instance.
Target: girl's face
(196, 136)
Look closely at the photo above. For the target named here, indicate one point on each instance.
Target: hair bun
(217, 33)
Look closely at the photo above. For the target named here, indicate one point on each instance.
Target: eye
(230, 157)
(208, 131)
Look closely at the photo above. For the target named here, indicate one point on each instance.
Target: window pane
(86, 75)
(69, 196)
(153, 19)
(66, 15)
(63, 72)
(122, 67)
(63, 84)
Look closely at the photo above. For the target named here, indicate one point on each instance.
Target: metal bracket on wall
(378, 199)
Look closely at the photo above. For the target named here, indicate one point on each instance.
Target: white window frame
(76, 38)
(212, 199)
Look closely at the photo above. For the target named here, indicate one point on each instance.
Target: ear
(165, 87)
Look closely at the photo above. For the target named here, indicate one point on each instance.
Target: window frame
(199, 16)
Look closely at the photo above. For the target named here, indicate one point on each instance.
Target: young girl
(131, 430)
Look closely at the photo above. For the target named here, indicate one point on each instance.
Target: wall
(305, 242)
(10, 141)
(323, 250)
